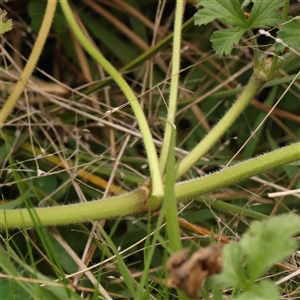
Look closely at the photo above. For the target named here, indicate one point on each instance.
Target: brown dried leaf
(188, 274)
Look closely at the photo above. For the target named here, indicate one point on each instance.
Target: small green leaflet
(264, 14)
(260, 291)
(268, 242)
(289, 33)
(5, 25)
(223, 40)
(264, 244)
(226, 11)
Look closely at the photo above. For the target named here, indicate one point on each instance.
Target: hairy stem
(212, 137)
(136, 201)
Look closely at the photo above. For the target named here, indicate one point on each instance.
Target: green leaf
(224, 40)
(5, 25)
(233, 274)
(263, 290)
(226, 11)
(265, 14)
(10, 290)
(47, 184)
(36, 10)
(289, 34)
(268, 242)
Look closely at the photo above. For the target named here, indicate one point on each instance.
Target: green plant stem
(273, 67)
(255, 47)
(276, 64)
(126, 204)
(233, 92)
(169, 208)
(213, 182)
(157, 184)
(212, 137)
(174, 85)
(234, 209)
(31, 63)
(285, 60)
(285, 10)
(170, 204)
(136, 201)
(161, 45)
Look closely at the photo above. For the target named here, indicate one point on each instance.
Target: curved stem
(136, 201)
(157, 184)
(213, 182)
(161, 45)
(174, 85)
(31, 63)
(212, 137)
(122, 205)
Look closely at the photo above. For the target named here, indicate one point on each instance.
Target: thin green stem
(255, 47)
(31, 63)
(174, 85)
(233, 113)
(157, 184)
(273, 67)
(285, 10)
(234, 209)
(136, 201)
(276, 64)
(161, 45)
(170, 204)
(285, 60)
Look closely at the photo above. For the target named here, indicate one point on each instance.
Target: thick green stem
(157, 184)
(212, 137)
(213, 182)
(136, 201)
(31, 63)
(123, 205)
(174, 85)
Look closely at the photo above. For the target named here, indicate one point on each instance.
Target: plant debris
(188, 274)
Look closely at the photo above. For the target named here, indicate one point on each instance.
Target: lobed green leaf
(268, 242)
(265, 14)
(226, 11)
(289, 33)
(224, 40)
(261, 291)
(233, 274)
(264, 244)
